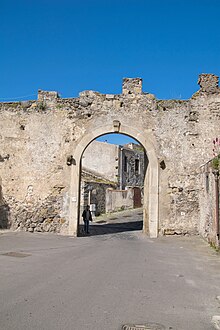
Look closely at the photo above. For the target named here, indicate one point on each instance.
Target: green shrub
(216, 162)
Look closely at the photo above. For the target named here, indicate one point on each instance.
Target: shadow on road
(111, 228)
(4, 211)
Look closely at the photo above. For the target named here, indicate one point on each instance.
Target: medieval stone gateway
(42, 142)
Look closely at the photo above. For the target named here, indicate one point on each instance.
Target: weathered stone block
(208, 83)
(47, 95)
(132, 86)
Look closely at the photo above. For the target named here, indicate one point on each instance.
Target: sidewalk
(115, 216)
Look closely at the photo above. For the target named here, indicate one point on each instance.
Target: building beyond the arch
(112, 176)
(123, 165)
(41, 142)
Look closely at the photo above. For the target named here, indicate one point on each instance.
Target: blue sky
(115, 138)
(75, 45)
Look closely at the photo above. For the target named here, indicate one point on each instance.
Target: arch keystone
(116, 126)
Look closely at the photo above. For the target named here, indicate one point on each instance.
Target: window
(137, 166)
(125, 164)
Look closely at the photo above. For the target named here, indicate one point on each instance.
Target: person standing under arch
(87, 216)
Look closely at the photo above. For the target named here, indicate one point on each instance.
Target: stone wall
(37, 137)
(34, 171)
(207, 202)
(117, 200)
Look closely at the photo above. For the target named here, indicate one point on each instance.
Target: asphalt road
(107, 279)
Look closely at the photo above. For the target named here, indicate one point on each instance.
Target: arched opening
(151, 188)
(113, 169)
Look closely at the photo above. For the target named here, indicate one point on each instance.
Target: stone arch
(151, 183)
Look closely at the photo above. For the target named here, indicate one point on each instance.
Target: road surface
(103, 281)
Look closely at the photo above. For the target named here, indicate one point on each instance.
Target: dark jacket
(84, 215)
